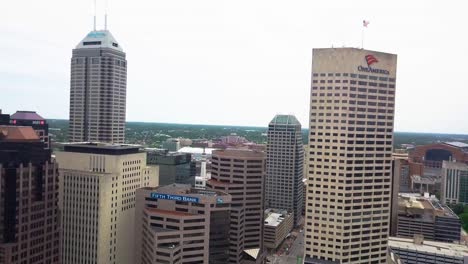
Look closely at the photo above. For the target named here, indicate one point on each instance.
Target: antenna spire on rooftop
(94, 28)
(105, 17)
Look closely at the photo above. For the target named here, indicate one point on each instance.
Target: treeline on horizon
(153, 134)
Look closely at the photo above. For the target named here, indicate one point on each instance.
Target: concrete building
(285, 163)
(241, 173)
(180, 224)
(400, 183)
(98, 90)
(29, 216)
(171, 144)
(97, 200)
(350, 164)
(418, 251)
(454, 182)
(428, 217)
(174, 167)
(278, 224)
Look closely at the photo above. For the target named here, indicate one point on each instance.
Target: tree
(458, 208)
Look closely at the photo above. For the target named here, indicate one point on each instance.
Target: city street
(290, 256)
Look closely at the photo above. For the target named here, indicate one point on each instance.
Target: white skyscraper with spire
(98, 89)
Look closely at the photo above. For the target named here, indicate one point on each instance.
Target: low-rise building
(426, 216)
(417, 251)
(277, 225)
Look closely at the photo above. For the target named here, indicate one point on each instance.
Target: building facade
(174, 167)
(284, 188)
(97, 201)
(241, 173)
(454, 182)
(400, 183)
(278, 224)
(180, 224)
(428, 217)
(350, 146)
(98, 89)
(29, 216)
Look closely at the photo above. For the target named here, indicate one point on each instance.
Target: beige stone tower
(350, 156)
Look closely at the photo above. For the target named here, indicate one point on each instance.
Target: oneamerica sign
(175, 197)
(373, 70)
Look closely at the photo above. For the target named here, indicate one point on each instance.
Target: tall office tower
(180, 224)
(241, 174)
(97, 201)
(29, 218)
(98, 88)
(285, 164)
(454, 182)
(350, 145)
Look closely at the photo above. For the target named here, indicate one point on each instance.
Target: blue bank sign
(180, 198)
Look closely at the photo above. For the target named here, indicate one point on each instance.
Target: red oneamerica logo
(370, 59)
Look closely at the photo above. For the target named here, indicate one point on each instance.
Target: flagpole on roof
(364, 25)
(362, 38)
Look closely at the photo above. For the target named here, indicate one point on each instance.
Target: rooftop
(193, 150)
(441, 248)
(275, 217)
(101, 148)
(426, 207)
(18, 134)
(99, 39)
(26, 115)
(457, 144)
(285, 120)
(239, 153)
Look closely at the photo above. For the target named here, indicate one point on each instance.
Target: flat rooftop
(240, 153)
(274, 217)
(101, 148)
(430, 205)
(432, 247)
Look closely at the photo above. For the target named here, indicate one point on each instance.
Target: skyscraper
(285, 164)
(97, 201)
(98, 88)
(29, 217)
(350, 143)
(241, 174)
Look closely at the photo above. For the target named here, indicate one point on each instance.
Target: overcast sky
(237, 62)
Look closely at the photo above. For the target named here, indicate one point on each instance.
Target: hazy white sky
(237, 62)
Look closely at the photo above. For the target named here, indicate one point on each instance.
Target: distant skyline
(237, 63)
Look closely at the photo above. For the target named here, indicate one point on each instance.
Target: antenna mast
(94, 15)
(105, 18)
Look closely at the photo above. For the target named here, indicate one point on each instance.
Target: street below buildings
(290, 253)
